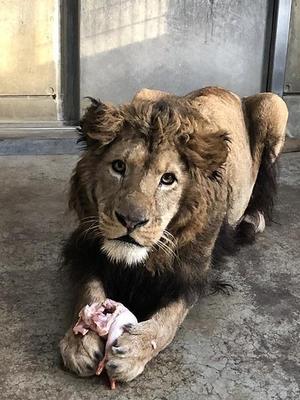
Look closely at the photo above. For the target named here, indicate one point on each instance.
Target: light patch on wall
(120, 23)
(26, 46)
(29, 60)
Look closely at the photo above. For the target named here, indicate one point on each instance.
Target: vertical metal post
(70, 60)
(279, 46)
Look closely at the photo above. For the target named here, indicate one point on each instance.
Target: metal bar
(279, 46)
(267, 46)
(26, 95)
(291, 93)
(70, 60)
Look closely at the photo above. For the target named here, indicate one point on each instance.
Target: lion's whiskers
(167, 250)
(89, 218)
(91, 229)
(158, 244)
(167, 233)
(94, 229)
(169, 241)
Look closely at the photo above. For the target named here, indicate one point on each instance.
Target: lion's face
(151, 175)
(138, 194)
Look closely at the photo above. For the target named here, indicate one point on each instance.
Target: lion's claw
(127, 359)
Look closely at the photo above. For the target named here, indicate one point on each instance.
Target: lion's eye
(119, 166)
(168, 178)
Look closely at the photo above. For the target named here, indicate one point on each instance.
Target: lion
(160, 182)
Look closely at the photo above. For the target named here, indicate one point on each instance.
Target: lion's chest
(140, 291)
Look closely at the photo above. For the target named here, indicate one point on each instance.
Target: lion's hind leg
(267, 117)
(260, 208)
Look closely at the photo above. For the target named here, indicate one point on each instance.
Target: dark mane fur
(141, 290)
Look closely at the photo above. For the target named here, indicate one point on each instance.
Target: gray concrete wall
(292, 74)
(293, 103)
(174, 45)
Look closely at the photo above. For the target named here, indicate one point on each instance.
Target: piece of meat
(108, 320)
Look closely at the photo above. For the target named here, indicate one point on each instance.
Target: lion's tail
(261, 204)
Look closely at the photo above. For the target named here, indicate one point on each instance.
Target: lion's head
(150, 175)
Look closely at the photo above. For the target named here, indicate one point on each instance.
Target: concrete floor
(242, 347)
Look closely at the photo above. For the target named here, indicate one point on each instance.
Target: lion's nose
(131, 222)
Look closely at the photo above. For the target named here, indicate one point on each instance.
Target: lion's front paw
(129, 355)
(81, 354)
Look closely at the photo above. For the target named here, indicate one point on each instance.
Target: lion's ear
(207, 152)
(214, 150)
(101, 122)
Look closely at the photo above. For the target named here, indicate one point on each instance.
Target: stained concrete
(240, 347)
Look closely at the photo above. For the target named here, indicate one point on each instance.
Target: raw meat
(107, 319)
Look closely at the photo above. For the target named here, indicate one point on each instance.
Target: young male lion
(158, 181)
